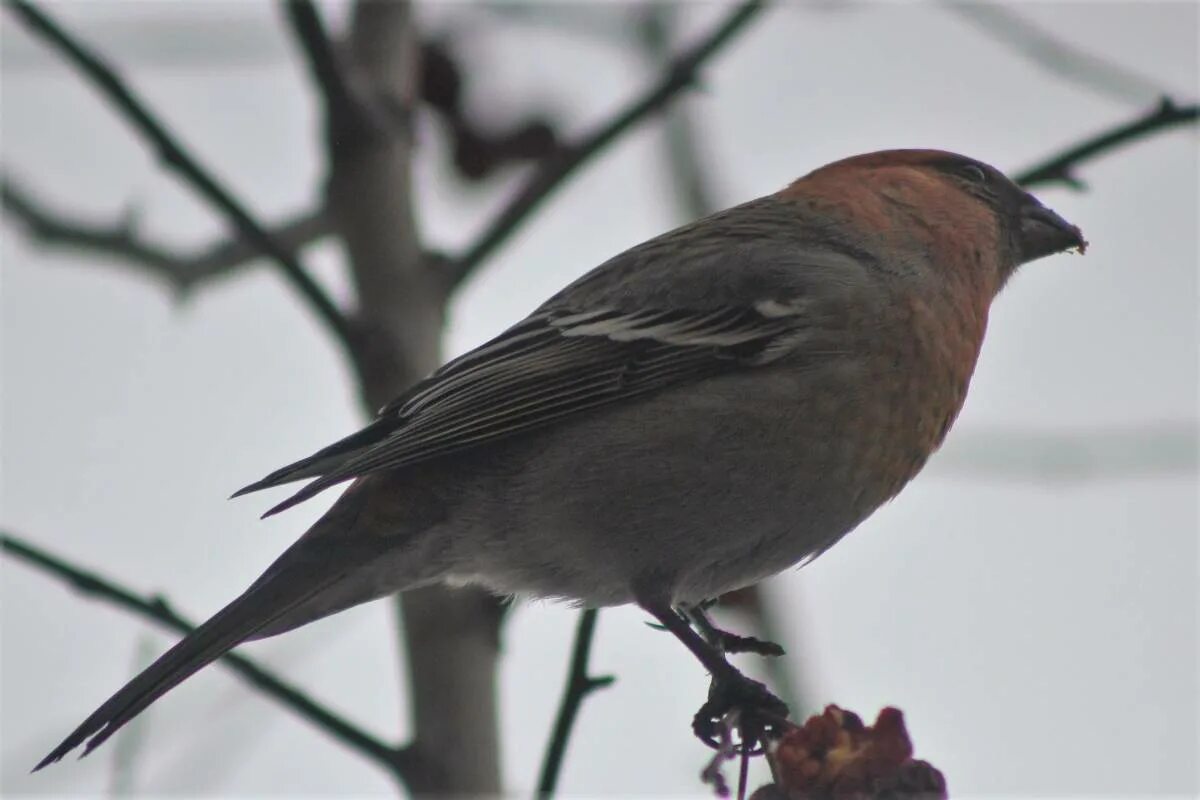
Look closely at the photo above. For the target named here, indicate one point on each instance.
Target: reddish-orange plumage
(706, 409)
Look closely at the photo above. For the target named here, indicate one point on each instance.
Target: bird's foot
(730, 643)
(759, 711)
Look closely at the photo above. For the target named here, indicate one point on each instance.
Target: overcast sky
(1030, 602)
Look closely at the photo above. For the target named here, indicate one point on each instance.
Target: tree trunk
(450, 635)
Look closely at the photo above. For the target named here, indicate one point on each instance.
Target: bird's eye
(974, 173)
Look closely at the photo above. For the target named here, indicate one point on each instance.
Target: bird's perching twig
(158, 610)
(557, 168)
(121, 242)
(174, 155)
(579, 685)
(1060, 168)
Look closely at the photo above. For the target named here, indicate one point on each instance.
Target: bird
(706, 409)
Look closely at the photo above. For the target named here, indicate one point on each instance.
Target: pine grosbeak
(697, 413)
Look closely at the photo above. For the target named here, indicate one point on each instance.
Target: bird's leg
(728, 642)
(760, 710)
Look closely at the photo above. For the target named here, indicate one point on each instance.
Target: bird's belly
(705, 491)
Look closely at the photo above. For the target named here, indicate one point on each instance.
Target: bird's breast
(916, 366)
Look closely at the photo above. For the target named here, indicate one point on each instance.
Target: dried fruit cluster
(834, 755)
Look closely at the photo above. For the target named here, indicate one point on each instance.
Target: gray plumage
(698, 413)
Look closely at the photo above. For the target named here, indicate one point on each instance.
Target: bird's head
(945, 203)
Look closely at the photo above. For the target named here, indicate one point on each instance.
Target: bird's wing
(553, 365)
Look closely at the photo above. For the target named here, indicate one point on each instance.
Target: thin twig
(451, 638)
(347, 118)
(743, 774)
(128, 745)
(1060, 167)
(1075, 455)
(173, 154)
(713, 773)
(121, 240)
(1055, 55)
(654, 32)
(157, 609)
(310, 32)
(680, 75)
(579, 686)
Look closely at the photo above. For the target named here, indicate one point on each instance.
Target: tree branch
(173, 154)
(579, 686)
(654, 32)
(157, 609)
(451, 635)
(120, 240)
(556, 169)
(348, 118)
(1060, 167)
(1063, 456)
(352, 120)
(1055, 55)
(310, 32)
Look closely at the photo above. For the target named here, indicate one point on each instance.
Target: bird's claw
(759, 711)
(732, 643)
(726, 642)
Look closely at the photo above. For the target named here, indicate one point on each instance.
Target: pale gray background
(1031, 606)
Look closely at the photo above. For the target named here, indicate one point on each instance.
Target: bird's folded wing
(552, 365)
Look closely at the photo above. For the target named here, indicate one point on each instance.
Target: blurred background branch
(173, 154)
(680, 74)
(1055, 55)
(1060, 167)
(128, 744)
(368, 78)
(158, 609)
(123, 243)
(1041, 457)
(347, 116)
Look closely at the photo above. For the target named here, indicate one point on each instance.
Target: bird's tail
(282, 589)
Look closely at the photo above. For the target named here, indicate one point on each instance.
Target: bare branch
(173, 154)
(158, 610)
(348, 118)
(693, 189)
(1060, 168)
(451, 635)
(121, 241)
(128, 746)
(310, 32)
(353, 120)
(579, 685)
(679, 76)
(1055, 55)
(1046, 457)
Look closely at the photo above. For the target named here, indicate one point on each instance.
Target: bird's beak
(1045, 233)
